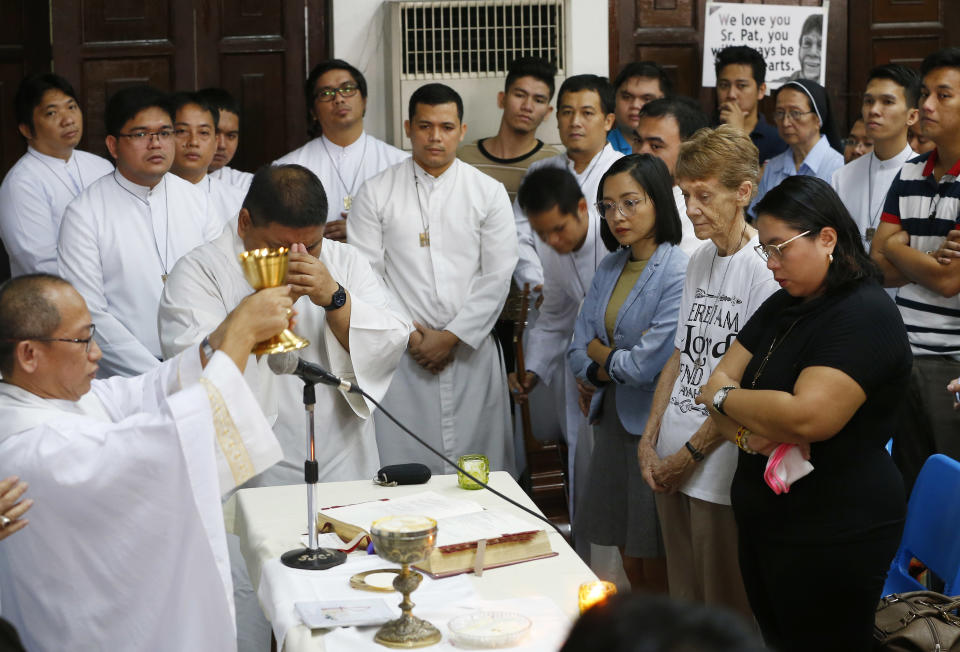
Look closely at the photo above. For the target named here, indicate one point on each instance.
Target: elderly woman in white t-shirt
(682, 456)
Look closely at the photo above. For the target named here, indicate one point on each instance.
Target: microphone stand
(311, 557)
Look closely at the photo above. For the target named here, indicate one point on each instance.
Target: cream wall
(359, 37)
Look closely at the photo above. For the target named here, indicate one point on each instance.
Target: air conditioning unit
(468, 45)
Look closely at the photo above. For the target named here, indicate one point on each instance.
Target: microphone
(308, 372)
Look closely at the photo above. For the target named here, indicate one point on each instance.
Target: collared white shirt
(225, 199)
(862, 185)
(529, 270)
(237, 178)
(118, 240)
(33, 196)
(342, 170)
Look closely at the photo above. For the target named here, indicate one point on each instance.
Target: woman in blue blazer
(623, 337)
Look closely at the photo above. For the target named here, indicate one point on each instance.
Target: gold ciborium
(405, 540)
(267, 268)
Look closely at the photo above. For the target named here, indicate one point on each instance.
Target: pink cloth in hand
(784, 467)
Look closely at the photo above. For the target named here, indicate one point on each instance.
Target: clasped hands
(430, 348)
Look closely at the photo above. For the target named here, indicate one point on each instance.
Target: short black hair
(744, 55)
(26, 312)
(546, 187)
(648, 69)
(126, 103)
(310, 92)
(945, 58)
(221, 99)
(813, 23)
(633, 622)
(600, 85)
(808, 203)
(901, 76)
(434, 94)
(183, 98)
(536, 67)
(30, 94)
(686, 111)
(653, 176)
(289, 195)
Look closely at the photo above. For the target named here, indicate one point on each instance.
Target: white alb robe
(365, 157)
(237, 178)
(459, 284)
(529, 269)
(126, 546)
(117, 241)
(225, 199)
(208, 283)
(33, 197)
(853, 184)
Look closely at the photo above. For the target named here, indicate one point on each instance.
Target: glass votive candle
(594, 593)
(476, 465)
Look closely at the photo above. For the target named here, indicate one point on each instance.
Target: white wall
(359, 37)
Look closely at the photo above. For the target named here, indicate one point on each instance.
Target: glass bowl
(489, 629)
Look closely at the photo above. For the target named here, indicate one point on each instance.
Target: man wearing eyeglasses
(195, 123)
(126, 548)
(121, 237)
(39, 186)
(342, 154)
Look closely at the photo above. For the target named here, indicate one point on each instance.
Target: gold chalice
(267, 268)
(405, 540)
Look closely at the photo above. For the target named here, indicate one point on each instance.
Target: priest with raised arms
(343, 312)
(126, 546)
(441, 234)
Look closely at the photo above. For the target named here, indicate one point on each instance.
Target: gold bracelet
(742, 434)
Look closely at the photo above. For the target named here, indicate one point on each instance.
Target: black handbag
(917, 621)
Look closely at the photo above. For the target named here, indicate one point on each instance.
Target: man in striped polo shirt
(922, 206)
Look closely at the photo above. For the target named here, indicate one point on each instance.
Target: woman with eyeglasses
(623, 336)
(682, 458)
(822, 364)
(805, 122)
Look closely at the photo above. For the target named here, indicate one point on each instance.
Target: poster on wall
(792, 40)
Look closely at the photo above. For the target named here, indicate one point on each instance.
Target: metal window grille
(478, 39)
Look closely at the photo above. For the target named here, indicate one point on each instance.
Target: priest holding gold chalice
(342, 312)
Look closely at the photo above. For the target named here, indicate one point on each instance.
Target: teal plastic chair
(932, 530)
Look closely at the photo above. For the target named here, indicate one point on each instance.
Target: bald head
(27, 310)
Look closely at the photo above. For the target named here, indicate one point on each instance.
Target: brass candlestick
(405, 540)
(267, 268)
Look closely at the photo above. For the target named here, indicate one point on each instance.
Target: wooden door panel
(907, 11)
(682, 63)
(126, 20)
(252, 17)
(666, 13)
(257, 80)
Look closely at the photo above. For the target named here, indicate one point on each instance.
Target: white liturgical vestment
(457, 283)
(126, 548)
(529, 269)
(33, 197)
(208, 283)
(225, 199)
(237, 178)
(118, 241)
(342, 170)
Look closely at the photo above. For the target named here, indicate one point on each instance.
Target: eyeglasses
(795, 115)
(850, 141)
(142, 136)
(327, 94)
(775, 251)
(75, 340)
(626, 207)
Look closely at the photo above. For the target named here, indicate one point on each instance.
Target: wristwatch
(339, 298)
(720, 397)
(207, 349)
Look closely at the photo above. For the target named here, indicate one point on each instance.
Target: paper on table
(321, 614)
(487, 524)
(427, 503)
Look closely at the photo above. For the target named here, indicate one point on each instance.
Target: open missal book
(469, 537)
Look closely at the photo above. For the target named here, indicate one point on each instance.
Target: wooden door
(261, 51)
(894, 31)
